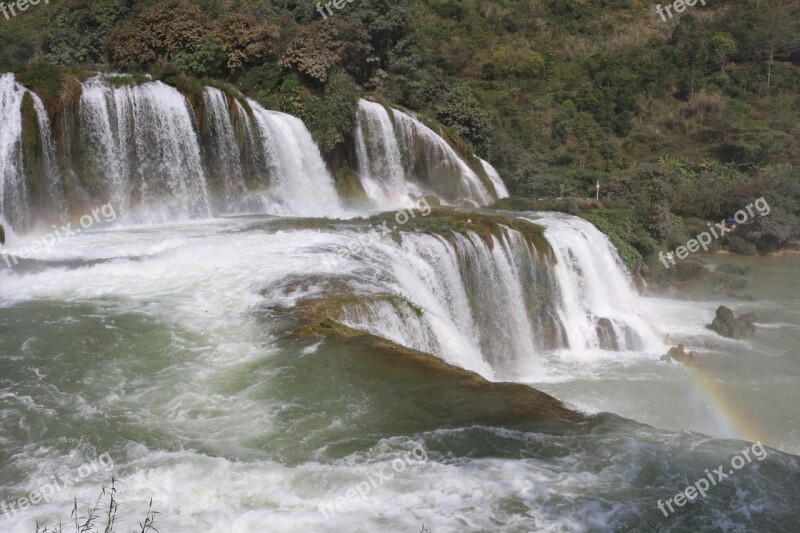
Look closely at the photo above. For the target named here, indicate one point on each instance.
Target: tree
(327, 46)
(245, 40)
(461, 111)
(158, 35)
(720, 48)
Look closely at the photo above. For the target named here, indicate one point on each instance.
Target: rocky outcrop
(607, 335)
(678, 354)
(727, 325)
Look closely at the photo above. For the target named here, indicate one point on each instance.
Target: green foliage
(329, 46)
(332, 116)
(206, 60)
(43, 79)
(461, 111)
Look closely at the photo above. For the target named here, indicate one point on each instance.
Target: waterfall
(224, 157)
(433, 161)
(594, 285)
(145, 152)
(53, 196)
(301, 184)
(399, 158)
(15, 201)
(380, 163)
(494, 304)
(499, 187)
(484, 301)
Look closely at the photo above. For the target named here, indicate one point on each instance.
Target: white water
(380, 162)
(14, 195)
(499, 187)
(438, 156)
(149, 154)
(595, 284)
(301, 184)
(225, 154)
(399, 158)
(207, 434)
(53, 198)
(498, 310)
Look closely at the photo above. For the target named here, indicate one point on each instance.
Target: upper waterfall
(141, 150)
(15, 198)
(158, 156)
(400, 157)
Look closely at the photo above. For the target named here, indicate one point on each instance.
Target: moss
(446, 221)
(45, 80)
(126, 81)
(348, 185)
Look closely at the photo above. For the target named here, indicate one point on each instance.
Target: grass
(100, 516)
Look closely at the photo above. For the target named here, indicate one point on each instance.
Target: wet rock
(727, 325)
(2, 234)
(679, 355)
(607, 335)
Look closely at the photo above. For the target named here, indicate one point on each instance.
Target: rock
(607, 335)
(727, 325)
(2, 234)
(679, 355)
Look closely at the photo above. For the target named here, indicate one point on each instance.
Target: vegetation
(681, 122)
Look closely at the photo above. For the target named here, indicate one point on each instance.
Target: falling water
(224, 159)
(380, 163)
(146, 151)
(434, 162)
(497, 181)
(301, 184)
(15, 198)
(594, 284)
(484, 303)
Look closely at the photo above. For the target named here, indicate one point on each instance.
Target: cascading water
(53, 197)
(497, 181)
(15, 198)
(224, 157)
(482, 304)
(595, 285)
(400, 158)
(301, 184)
(147, 153)
(380, 163)
(431, 160)
(494, 306)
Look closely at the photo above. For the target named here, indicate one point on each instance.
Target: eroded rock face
(678, 354)
(727, 325)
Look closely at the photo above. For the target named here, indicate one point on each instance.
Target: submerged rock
(727, 325)
(679, 355)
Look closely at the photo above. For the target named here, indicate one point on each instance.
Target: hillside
(681, 120)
